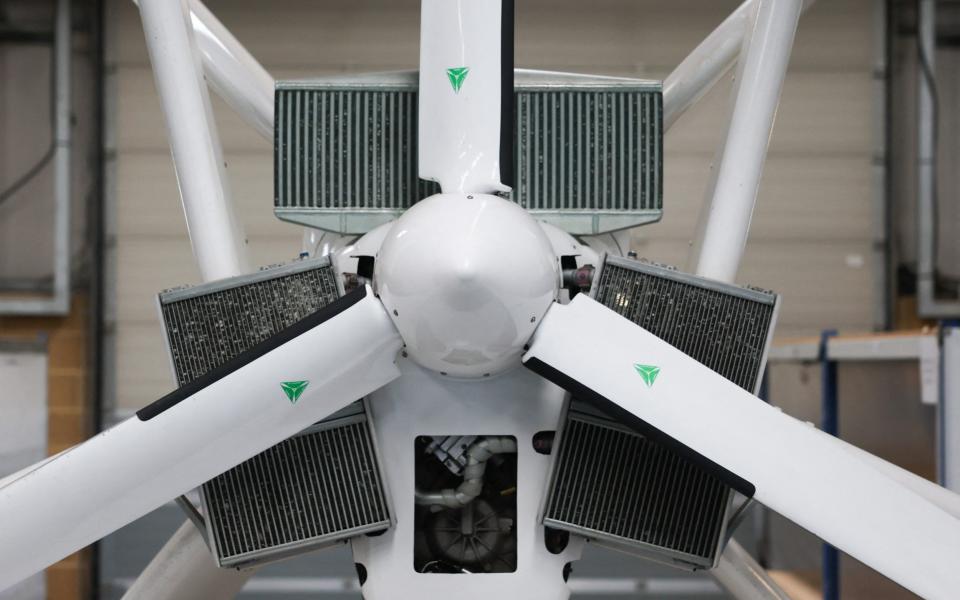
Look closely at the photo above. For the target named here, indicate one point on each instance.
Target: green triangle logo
(648, 372)
(294, 389)
(456, 75)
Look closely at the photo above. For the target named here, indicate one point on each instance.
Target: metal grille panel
(320, 485)
(588, 151)
(722, 326)
(317, 487)
(339, 149)
(615, 481)
(208, 326)
(612, 484)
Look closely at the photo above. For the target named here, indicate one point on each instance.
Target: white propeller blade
(797, 470)
(466, 94)
(267, 394)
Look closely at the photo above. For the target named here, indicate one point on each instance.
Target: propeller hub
(466, 279)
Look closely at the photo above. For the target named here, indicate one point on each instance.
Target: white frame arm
(740, 575)
(704, 67)
(232, 71)
(763, 67)
(216, 234)
(184, 570)
(708, 62)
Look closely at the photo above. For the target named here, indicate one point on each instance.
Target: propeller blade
(466, 95)
(793, 468)
(306, 372)
(937, 494)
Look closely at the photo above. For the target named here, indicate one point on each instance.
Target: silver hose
(477, 456)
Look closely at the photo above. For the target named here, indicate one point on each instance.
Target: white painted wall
(26, 219)
(812, 232)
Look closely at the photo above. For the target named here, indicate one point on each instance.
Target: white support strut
(183, 570)
(763, 70)
(708, 62)
(743, 577)
(232, 71)
(216, 234)
(703, 67)
(237, 77)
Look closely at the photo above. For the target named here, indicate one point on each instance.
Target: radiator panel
(346, 156)
(646, 495)
(589, 158)
(724, 327)
(317, 487)
(610, 483)
(587, 151)
(323, 485)
(207, 325)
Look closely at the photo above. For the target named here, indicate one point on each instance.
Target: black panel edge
(507, 118)
(276, 145)
(621, 415)
(248, 356)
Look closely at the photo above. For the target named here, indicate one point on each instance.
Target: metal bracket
(737, 518)
(193, 513)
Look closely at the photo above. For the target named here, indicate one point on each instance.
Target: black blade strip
(248, 356)
(507, 117)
